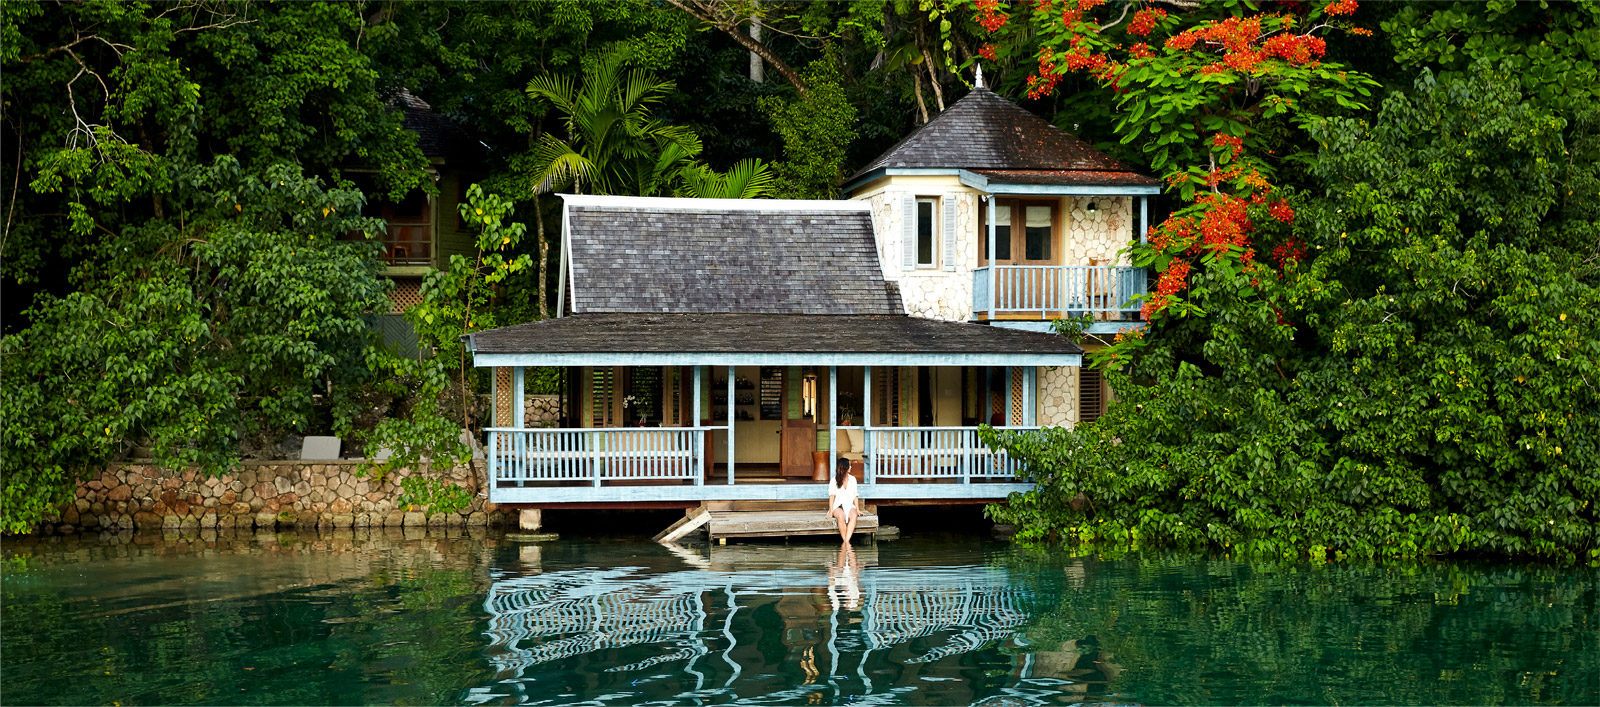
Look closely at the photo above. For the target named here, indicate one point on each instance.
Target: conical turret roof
(986, 133)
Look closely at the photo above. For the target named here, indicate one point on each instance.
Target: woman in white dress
(842, 500)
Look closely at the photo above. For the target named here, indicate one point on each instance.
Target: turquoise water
(479, 619)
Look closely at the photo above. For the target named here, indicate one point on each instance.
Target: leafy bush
(1428, 387)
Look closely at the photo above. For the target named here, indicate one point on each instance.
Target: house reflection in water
(767, 624)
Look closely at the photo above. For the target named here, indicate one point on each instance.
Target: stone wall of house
(1101, 235)
(1058, 396)
(931, 293)
(261, 495)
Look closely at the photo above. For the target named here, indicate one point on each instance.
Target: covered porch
(685, 426)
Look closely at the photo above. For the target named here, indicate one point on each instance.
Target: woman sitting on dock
(842, 500)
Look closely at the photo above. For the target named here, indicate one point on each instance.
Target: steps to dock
(763, 519)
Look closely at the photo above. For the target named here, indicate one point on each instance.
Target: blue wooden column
(866, 423)
(730, 425)
(1030, 394)
(518, 404)
(699, 436)
(1005, 417)
(833, 419)
(994, 275)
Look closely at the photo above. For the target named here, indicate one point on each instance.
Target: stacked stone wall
(1058, 396)
(1103, 234)
(262, 495)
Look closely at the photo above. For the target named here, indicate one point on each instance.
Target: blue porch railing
(1051, 291)
(660, 462)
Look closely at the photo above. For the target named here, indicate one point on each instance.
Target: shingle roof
(985, 131)
(436, 136)
(762, 333)
(712, 255)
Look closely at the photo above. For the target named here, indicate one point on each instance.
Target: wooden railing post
(967, 450)
(494, 464)
(594, 457)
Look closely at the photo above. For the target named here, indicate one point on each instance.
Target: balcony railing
(596, 456)
(677, 456)
(408, 244)
(1053, 291)
(949, 454)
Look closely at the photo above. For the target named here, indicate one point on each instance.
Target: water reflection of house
(716, 624)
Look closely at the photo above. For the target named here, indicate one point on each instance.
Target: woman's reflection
(844, 580)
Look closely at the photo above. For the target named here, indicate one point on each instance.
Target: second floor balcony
(1047, 292)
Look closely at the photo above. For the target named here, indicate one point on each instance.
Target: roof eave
(776, 358)
(989, 186)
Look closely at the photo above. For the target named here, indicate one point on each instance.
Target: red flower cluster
(1171, 282)
(1174, 233)
(1044, 82)
(1141, 51)
(1341, 7)
(1072, 11)
(1234, 34)
(1237, 39)
(1079, 60)
(1230, 143)
(1291, 249)
(1281, 210)
(1295, 48)
(1144, 22)
(987, 51)
(1226, 224)
(989, 15)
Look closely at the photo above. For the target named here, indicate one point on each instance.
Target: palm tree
(614, 145)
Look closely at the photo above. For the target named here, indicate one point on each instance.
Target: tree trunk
(707, 14)
(758, 72)
(544, 261)
(933, 78)
(922, 106)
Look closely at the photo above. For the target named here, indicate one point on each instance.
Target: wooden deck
(763, 519)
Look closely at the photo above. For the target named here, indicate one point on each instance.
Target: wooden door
(799, 440)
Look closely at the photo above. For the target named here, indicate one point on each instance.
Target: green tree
(817, 127)
(174, 280)
(614, 144)
(434, 410)
(220, 327)
(1430, 390)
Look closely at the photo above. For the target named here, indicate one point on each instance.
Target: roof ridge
(674, 203)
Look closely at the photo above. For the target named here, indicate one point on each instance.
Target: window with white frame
(927, 232)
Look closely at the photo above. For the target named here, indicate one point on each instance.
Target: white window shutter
(908, 232)
(948, 228)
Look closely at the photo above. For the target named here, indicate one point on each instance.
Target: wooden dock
(763, 519)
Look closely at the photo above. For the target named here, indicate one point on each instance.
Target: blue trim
(982, 183)
(1113, 327)
(1035, 325)
(482, 360)
(997, 491)
(1044, 327)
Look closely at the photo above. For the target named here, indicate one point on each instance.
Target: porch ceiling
(765, 339)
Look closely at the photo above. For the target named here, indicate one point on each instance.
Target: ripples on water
(389, 618)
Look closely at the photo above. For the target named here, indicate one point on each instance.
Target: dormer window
(927, 232)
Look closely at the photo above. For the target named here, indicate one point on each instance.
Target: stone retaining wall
(261, 495)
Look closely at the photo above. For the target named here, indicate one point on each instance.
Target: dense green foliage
(222, 323)
(1412, 374)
